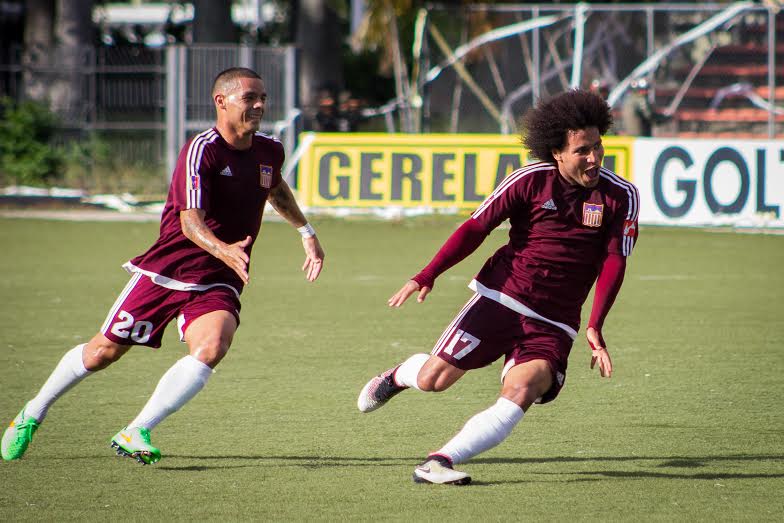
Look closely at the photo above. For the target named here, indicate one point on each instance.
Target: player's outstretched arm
(282, 199)
(599, 352)
(407, 290)
(608, 284)
(195, 229)
(465, 240)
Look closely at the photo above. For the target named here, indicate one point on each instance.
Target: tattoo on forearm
(200, 234)
(284, 202)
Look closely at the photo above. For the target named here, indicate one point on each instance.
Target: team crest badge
(629, 228)
(265, 179)
(592, 214)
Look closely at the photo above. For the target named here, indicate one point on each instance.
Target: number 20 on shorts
(126, 327)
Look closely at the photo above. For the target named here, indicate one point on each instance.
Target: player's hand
(407, 290)
(234, 256)
(599, 352)
(314, 258)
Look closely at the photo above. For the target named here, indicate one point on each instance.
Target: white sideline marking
(81, 216)
(661, 277)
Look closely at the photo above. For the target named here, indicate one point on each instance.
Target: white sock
(484, 431)
(406, 375)
(177, 386)
(68, 373)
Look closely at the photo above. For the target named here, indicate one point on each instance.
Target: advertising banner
(709, 182)
(436, 171)
(687, 182)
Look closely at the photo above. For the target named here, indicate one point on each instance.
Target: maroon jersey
(560, 234)
(231, 186)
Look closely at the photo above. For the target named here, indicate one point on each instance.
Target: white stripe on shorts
(518, 307)
(121, 299)
(176, 285)
(447, 335)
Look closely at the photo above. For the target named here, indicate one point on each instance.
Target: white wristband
(307, 231)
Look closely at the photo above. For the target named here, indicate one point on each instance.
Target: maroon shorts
(484, 330)
(144, 309)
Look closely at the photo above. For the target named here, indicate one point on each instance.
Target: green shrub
(81, 158)
(27, 154)
(101, 163)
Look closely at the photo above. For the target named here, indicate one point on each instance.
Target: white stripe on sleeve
(633, 207)
(192, 165)
(507, 182)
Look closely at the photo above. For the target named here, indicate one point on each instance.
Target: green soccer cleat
(18, 435)
(135, 443)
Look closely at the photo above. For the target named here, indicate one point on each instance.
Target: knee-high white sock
(177, 386)
(68, 373)
(406, 374)
(484, 431)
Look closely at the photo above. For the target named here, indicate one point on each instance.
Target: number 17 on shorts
(463, 343)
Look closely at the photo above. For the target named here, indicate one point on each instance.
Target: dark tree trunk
(212, 22)
(69, 93)
(38, 42)
(319, 40)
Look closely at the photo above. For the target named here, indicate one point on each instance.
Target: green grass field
(690, 427)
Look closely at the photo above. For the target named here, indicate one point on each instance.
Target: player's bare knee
(433, 381)
(519, 393)
(425, 383)
(524, 393)
(426, 380)
(211, 351)
(99, 353)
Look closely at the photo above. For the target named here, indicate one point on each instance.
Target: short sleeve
(191, 177)
(624, 228)
(277, 175)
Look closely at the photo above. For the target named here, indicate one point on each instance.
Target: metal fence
(716, 67)
(117, 93)
(189, 76)
(145, 102)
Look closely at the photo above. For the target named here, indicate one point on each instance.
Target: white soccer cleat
(439, 471)
(378, 391)
(135, 443)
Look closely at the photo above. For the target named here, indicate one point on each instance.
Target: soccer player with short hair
(572, 221)
(193, 273)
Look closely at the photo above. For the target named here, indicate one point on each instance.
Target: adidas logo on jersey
(226, 171)
(549, 205)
